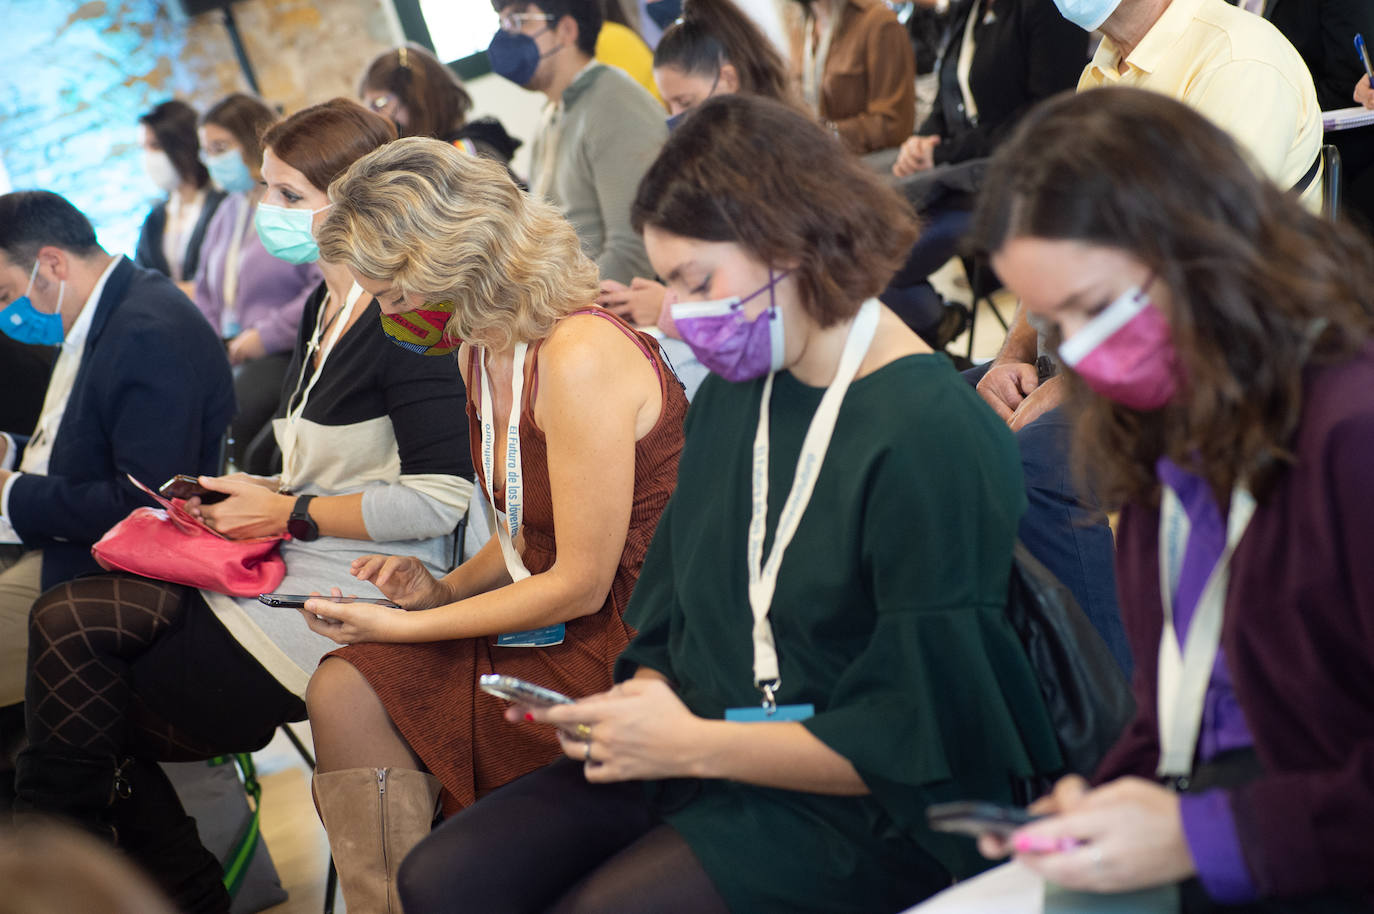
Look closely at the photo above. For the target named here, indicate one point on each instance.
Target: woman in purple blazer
(251, 298)
(1220, 340)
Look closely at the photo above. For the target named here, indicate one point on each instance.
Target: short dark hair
(715, 32)
(247, 117)
(173, 124)
(34, 219)
(586, 13)
(432, 93)
(761, 174)
(323, 140)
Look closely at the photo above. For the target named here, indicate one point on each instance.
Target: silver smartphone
(520, 692)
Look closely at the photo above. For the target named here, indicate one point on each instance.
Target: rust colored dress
(430, 689)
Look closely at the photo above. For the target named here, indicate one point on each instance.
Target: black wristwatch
(300, 525)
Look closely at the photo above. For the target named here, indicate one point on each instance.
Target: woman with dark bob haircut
(790, 709)
(1217, 338)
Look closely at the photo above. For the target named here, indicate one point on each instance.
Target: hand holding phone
(187, 487)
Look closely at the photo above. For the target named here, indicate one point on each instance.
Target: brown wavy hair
(1261, 287)
(323, 140)
(433, 94)
(759, 173)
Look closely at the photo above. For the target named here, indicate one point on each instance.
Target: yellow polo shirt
(622, 47)
(1236, 69)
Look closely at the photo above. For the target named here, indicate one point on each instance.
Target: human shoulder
(1336, 401)
(614, 93)
(587, 347)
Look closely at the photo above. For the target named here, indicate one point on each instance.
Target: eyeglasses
(515, 22)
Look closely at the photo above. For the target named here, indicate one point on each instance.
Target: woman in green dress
(822, 647)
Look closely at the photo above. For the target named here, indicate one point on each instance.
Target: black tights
(552, 842)
(122, 665)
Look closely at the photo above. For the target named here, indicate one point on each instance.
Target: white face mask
(161, 171)
(1087, 14)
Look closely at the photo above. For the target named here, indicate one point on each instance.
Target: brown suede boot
(374, 816)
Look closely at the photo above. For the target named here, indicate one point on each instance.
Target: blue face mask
(1087, 14)
(515, 56)
(664, 12)
(23, 323)
(230, 172)
(675, 121)
(287, 233)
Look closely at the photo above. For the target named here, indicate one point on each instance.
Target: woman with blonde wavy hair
(584, 420)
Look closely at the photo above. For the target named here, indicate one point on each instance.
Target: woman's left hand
(638, 730)
(1123, 836)
(246, 347)
(250, 510)
(351, 623)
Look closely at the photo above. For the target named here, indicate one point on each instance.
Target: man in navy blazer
(142, 387)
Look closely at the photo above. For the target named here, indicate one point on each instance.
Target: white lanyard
(290, 429)
(507, 523)
(229, 319)
(1184, 675)
(763, 576)
(816, 53)
(964, 65)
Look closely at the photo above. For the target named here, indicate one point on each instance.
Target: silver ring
(587, 757)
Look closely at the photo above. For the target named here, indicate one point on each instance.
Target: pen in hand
(1364, 58)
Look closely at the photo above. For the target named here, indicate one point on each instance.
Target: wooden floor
(289, 823)
(290, 826)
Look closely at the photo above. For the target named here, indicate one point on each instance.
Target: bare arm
(592, 391)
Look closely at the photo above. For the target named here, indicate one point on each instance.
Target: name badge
(781, 713)
(547, 636)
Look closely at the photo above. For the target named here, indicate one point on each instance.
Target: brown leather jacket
(868, 90)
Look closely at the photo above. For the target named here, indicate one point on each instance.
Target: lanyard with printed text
(1184, 674)
(763, 575)
(508, 522)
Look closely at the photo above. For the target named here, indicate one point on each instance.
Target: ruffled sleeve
(942, 703)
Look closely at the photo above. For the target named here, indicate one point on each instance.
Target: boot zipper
(381, 821)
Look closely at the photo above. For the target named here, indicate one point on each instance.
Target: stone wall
(79, 74)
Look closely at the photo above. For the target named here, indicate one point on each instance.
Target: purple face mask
(1126, 353)
(727, 342)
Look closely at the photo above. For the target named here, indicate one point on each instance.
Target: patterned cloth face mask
(423, 330)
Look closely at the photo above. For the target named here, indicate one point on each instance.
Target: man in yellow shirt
(1233, 67)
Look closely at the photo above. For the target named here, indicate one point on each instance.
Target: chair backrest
(1331, 181)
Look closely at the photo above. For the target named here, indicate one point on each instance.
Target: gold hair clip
(404, 61)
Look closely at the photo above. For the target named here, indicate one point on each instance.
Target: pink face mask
(1126, 353)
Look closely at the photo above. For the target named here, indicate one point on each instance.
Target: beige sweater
(608, 133)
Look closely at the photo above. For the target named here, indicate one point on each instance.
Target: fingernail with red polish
(529, 717)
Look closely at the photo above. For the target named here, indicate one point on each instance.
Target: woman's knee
(54, 615)
(335, 687)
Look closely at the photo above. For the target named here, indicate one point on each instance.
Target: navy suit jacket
(152, 398)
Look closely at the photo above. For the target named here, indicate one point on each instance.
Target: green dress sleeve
(651, 608)
(942, 703)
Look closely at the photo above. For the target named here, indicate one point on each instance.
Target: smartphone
(297, 600)
(182, 486)
(520, 692)
(971, 817)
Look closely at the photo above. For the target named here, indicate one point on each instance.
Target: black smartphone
(297, 600)
(972, 817)
(182, 486)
